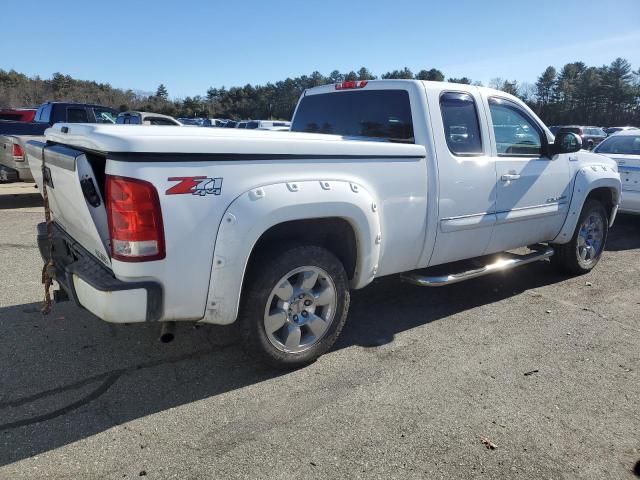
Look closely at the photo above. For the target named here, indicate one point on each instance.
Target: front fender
(588, 178)
(257, 210)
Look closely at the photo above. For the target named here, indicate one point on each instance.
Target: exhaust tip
(167, 332)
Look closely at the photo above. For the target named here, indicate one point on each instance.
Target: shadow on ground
(21, 200)
(68, 376)
(625, 234)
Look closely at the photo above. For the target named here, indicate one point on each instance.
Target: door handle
(510, 176)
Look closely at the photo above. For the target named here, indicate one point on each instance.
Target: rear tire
(583, 252)
(294, 305)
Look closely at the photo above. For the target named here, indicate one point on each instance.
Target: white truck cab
(272, 229)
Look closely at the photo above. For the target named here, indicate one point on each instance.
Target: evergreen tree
(463, 80)
(365, 74)
(545, 85)
(433, 75)
(162, 92)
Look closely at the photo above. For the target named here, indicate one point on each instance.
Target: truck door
(533, 191)
(466, 174)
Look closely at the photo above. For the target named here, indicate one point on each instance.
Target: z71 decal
(195, 186)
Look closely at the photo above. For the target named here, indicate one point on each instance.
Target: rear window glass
(252, 125)
(128, 119)
(77, 115)
(383, 114)
(622, 144)
(158, 121)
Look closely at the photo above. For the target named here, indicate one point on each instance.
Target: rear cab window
(376, 114)
(158, 121)
(77, 115)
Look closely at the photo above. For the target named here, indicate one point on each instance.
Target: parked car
(231, 124)
(13, 164)
(241, 124)
(146, 118)
(15, 134)
(191, 122)
(624, 148)
(591, 136)
(18, 114)
(298, 218)
(53, 112)
(612, 130)
(214, 122)
(279, 125)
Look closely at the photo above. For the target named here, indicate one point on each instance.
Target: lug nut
(304, 314)
(301, 297)
(295, 318)
(307, 303)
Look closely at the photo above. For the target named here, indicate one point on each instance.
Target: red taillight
(135, 220)
(18, 153)
(351, 84)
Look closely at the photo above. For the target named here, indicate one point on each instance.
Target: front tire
(583, 252)
(294, 305)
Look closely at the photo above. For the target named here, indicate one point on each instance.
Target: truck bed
(10, 127)
(164, 142)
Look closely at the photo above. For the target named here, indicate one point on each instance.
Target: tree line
(577, 93)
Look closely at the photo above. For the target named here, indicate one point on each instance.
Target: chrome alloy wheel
(300, 309)
(590, 238)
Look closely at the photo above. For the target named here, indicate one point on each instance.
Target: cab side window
(45, 113)
(460, 120)
(516, 134)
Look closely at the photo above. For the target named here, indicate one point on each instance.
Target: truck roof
(77, 103)
(137, 139)
(402, 83)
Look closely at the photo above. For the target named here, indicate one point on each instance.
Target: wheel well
(334, 234)
(605, 196)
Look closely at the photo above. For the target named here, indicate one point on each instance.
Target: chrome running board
(540, 253)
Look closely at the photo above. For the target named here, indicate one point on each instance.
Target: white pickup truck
(272, 229)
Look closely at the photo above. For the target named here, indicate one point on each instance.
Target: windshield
(620, 144)
(381, 114)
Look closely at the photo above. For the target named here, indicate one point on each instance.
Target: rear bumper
(94, 287)
(15, 173)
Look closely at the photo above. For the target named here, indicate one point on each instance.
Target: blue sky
(192, 45)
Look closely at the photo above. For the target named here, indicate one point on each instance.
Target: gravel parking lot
(543, 367)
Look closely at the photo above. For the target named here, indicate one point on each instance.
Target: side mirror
(566, 142)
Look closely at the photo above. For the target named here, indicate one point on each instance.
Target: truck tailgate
(75, 199)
